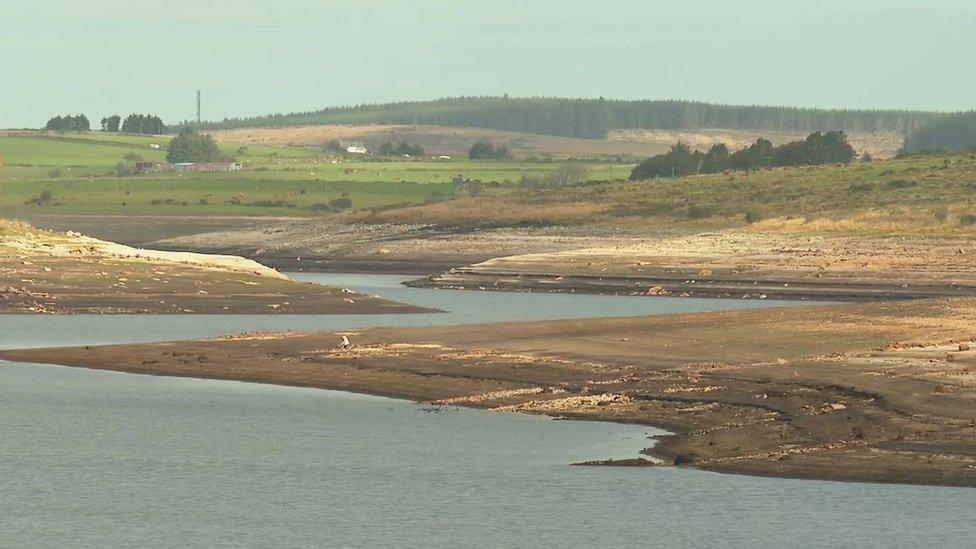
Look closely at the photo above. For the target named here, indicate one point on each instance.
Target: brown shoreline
(868, 392)
(66, 273)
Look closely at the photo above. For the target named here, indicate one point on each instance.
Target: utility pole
(199, 110)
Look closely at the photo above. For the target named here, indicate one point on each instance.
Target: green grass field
(77, 173)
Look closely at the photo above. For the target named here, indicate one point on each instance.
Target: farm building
(186, 167)
(145, 167)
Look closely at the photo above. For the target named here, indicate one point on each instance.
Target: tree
(758, 155)
(717, 159)
(680, 160)
(402, 148)
(956, 132)
(482, 150)
(111, 123)
(146, 124)
(486, 150)
(190, 146)
(68, 123)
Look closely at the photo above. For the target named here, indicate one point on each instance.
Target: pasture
(90, 173)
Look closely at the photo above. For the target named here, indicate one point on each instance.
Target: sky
(249, 57)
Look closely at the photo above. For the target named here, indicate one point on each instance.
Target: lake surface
(104, 459)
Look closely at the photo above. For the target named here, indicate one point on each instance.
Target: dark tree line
(594, 117)
(953, 133)
(818, 148)
(400, 149)
(68, 123)
(486, 150)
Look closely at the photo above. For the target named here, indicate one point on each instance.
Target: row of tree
(147, 124)
(402, 148)
(954, 133)
(134, 123)
(594, 117)
(68, 123)
(818, 148)
(486, 150)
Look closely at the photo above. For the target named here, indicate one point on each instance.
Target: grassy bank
(925, 193)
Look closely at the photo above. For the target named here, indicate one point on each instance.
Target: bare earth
(56, 273)
(870, 392)
(740, 264)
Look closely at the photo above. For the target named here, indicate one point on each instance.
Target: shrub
(941, 214)
(697, 211)
(901, 184)
(754, 216)
(270, 204)
(340, 203)
(864, 187)
(45, 198)
(55, 173)
(967, 219)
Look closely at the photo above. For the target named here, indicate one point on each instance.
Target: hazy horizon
(252, 58)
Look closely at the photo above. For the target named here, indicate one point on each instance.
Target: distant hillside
(952, 133)
(593, 118)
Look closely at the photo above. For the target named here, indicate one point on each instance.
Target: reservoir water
(104, 459)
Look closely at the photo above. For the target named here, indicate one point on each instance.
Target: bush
(754, 216)
(864, 187)
(901, 184)
(967, 219)
(269, 204)
(941, 214)
(340, 203)
(55, 173)
(697, 211)
(45, 198)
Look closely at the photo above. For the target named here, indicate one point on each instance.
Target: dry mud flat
(880, 392)
(740, 265)
(42, 272)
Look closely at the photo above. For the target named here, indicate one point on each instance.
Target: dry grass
(456, 141)
(17, 228)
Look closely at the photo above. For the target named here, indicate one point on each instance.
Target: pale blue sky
(254, 57)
